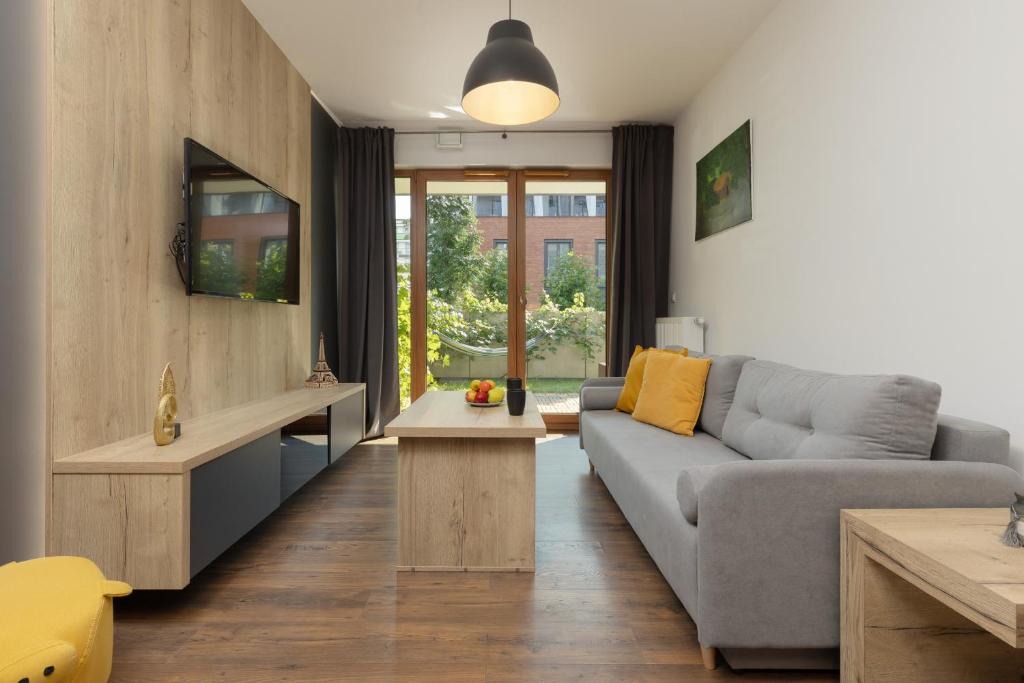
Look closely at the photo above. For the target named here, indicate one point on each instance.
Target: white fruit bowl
(486, 405)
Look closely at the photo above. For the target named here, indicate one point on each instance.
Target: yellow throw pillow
(672, 391)
(635, 376)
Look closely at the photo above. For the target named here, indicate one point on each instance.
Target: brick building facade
(547, 236)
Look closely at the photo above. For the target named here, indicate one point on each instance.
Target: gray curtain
(367, 280)
(641, 230)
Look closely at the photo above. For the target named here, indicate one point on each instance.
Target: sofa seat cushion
(639, 465)
(649, 448)
(780, 412)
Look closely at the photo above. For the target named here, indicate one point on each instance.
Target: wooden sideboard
(155, 515)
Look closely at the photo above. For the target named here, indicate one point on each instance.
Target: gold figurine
(166, 411)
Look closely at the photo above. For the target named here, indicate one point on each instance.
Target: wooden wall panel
(130, 80)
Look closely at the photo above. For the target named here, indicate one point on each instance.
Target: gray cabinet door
(231, 495)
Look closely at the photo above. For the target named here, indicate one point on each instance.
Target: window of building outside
(270, 244)
(491, 205)
(501, 244)
(582, 207)
(224, 248)
(553, 251)
(552, 205)
(403, 243)
(403, 218)
(243, 203)
(559, 205)
(600, 263)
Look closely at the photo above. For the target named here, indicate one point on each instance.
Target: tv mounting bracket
(179, 251)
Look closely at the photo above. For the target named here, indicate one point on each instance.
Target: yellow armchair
(56, 621)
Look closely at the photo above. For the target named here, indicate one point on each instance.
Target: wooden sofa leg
(591, 466)
(709, 656)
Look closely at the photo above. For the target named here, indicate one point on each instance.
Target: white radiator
(681, 331)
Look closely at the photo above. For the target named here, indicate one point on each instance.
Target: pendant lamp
(510, 82)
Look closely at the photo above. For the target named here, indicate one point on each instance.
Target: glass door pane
(566, 267)
(403, 248)
(467, 282)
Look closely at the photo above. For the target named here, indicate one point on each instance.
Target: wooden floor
(310, 595)
(563, 404)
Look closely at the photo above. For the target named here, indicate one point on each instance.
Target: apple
(481, 397)
(475, 385)
(470, 396)
(495, 395)
(486, 385)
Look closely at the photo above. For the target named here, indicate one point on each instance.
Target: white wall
(888, 175)
(22, 281)
(577, 150)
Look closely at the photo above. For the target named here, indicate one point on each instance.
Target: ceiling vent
(449, 140)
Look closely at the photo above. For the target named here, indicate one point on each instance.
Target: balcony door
(502, 273)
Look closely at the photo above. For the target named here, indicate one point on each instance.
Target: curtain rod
(497, 132)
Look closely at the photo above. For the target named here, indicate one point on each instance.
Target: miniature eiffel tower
(322, 375)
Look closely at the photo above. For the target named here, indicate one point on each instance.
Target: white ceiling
(402, 62)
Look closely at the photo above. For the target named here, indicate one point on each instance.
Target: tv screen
(243, 235)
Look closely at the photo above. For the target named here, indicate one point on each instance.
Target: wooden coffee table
(930, 595)
(466, 485)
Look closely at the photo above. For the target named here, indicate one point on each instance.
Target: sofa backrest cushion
(780, 412)
(719, 391)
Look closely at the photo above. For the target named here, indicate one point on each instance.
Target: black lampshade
(510, 82)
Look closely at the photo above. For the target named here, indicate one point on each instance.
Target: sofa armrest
(768, 538)
(965, 440)
(690, 484)
(600, 393)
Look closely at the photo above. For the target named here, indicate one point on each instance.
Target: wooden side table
(930, 595)
(466, 485)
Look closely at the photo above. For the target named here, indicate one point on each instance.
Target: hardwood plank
(466, 504)
(954, 555)
(908, 636)
(311, 595)
(914, 602)
(128, 81)
(206, 437)
(147, 547)
(445, 414)
(498, 517)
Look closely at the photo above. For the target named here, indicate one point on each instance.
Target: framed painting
(724, 185)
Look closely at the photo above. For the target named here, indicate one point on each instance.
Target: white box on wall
(685, 331)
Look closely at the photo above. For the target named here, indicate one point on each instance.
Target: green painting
(723, 185)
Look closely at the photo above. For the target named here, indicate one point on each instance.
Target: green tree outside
(217, 272)
(493, 280)
(270, 272)
(453, 245)
(571, 276)
(467, 298)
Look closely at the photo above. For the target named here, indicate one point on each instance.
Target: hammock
(478, 351)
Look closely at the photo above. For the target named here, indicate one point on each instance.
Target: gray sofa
(743, 518)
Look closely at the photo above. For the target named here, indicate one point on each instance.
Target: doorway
(502, 273)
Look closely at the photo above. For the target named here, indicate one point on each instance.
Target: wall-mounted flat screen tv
(242, 235)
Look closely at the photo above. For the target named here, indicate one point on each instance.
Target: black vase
(515, 396)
